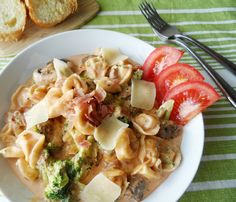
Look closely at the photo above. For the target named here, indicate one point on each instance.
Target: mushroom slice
(146, 124)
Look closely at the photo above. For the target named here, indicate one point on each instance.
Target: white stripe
(191, 33)
(218, 157)
(208, 61)
(167, 11)
(176, 23)
(220, 138)
(218, 116)
(201, 40)
(211, 32)
(211, 185)
(188, 57)
(230, 125)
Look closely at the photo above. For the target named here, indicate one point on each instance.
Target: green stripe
(220, 132)
(222, 147)
(219, 195)
(140, 19)
(220, 121)
(215, 170)
(163, 4)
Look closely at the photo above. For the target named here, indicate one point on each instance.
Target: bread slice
(12, 19)
(47, 13)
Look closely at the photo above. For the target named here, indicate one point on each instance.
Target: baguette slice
(47, 13)
(12, 19)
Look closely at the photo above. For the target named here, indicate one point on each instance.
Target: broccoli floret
(138, 74)
(58, 181)
(73, 168)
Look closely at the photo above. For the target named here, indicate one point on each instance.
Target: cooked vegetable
(58, 181)
(138, 74)
(165, 110)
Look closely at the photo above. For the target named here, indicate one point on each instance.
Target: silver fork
(170, 33)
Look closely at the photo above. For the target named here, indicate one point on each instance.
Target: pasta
(20, 98)
(75, 128)
(122, 73)
(81, 124)
(31, 144)
(37, 92)
(127, 145)
(26, 171)
(12, 152)
(146, 124)
(74, 81)
(96, 67)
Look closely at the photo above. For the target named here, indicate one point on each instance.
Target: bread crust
(15, 35)
(73, 7)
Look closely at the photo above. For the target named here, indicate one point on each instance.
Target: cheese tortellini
(121, 72)
(146, 124)
(109, 85)
(56, 101)
(127, 145)
(37, 92)
(74, 82)
(81, 124)
(149, 158)
(96, 67)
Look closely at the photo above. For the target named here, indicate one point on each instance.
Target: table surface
(213, 23)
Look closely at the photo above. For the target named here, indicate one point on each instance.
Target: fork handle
(225, 88)
(218, 57)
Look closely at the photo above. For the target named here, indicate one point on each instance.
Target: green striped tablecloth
(214, 23)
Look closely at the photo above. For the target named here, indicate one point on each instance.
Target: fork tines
(150, 13)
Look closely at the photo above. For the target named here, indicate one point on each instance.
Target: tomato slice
(191, 98)
(174, 75)
(159, 59)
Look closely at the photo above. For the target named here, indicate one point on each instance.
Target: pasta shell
(26, 171)
(127, 145)
(146, 171)
(122, 73)
(146, 124)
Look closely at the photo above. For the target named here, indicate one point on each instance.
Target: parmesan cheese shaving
(100, 189)
(108, 132)
(143, 94)
(37, 114)
(112, 56)
(62, 69)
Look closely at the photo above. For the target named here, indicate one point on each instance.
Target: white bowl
(85, 41)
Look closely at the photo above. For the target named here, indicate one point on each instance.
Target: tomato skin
(190, 98)
(174, 75)
(159, 59)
